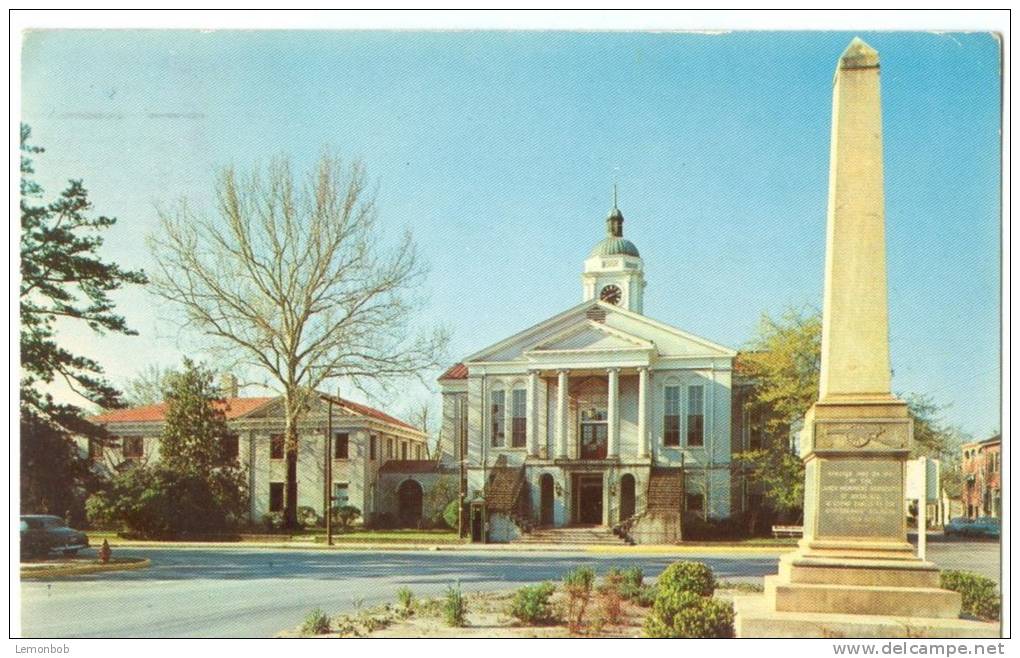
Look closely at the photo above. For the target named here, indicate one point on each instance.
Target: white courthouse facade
(587, 406)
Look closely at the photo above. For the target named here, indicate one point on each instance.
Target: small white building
(364, 439)
(593, 416)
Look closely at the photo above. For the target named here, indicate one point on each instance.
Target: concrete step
(756, 618)
(927, 602)
(585, 536)
(891, 573)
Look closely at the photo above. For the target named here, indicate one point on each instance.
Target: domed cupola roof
(615, 244)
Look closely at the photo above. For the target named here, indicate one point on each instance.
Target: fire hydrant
(104, 552)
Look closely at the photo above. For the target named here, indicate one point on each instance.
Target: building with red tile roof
(364, 440)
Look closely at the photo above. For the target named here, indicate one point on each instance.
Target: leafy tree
(932, 436)
(196, 428)
(194, 488)
(781, 370)
(62, 278)
(289, 278)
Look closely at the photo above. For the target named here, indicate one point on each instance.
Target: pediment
(593, 337)
(599, 327)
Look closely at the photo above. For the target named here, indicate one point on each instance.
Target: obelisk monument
(854, 572)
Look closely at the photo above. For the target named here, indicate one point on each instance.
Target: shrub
(643, 595)
(694, 577)
(687, 615)
(406, 599)
(531, 604)
(345, 515)
(272, 521)
(316, 623)
(307, 516)
(980, 597)
(454, 606)
(157, 502)
(633, 577)
(610, 605)
(578, 583)
(382, 521)
(450, 514)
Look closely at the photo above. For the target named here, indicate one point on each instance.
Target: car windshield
(53, 523)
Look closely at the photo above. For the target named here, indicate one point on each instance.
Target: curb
(83, 569)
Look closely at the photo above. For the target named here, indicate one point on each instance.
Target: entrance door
(409, 495)
(589, 499)
(627, 502)
(547, 497)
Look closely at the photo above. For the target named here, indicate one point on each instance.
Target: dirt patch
(487, 617)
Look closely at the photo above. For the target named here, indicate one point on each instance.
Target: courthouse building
(597, 416)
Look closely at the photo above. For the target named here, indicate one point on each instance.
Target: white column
(532, 426)
(613, 416)
(561, 414)
(642, 413)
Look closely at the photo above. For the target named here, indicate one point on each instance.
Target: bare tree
(147, 386)
(291, 278)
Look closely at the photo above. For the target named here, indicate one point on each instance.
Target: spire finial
(614, 197)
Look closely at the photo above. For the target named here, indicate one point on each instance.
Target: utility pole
(329, 472)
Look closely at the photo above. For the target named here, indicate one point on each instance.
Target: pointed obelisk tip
(858, 55)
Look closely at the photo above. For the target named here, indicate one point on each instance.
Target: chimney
(228, 385)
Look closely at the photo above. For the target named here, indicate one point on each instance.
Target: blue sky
(499, 150)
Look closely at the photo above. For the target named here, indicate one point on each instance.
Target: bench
(787, 531)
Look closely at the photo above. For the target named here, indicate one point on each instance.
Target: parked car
(986, 526)
(959, 527)
(42, 534)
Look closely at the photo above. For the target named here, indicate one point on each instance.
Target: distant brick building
(982, 473)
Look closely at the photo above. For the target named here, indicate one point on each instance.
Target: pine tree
(62, 276)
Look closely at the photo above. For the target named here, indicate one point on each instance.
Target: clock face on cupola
(611, 294)
(614, 271)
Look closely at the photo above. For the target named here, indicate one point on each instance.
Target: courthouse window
(497, 409)
(276, 446)
(340, 495)
(133, 447)
(671, 419)
(696, 415)
(276, 496)
(519, 436)
(231, 448)
(371, 446)
(341, 446)
(403, 451)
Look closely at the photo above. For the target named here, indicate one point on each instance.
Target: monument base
(757, 617)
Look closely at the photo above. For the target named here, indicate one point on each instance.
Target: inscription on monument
(860, 498)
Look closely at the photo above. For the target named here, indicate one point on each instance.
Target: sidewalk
(649, 549)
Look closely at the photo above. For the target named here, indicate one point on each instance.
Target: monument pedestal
(854, 573)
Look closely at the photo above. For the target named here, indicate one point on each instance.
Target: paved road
(238, 592)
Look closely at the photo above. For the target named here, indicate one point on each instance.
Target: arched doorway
(409, 498)
(626, 497)
(547, 496)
